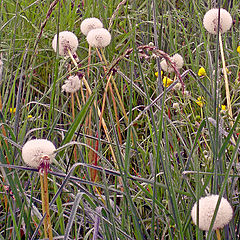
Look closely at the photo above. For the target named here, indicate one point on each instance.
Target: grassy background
(167, 158)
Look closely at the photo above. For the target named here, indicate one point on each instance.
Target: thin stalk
(48, 218)
(72, 104)
(218, 234)
(89, 60)
(116, 114)
(120, 100)
(229, 106)
(103, 58)
(89, 123)
(104, 101)
(226, 80)
(98, 110)
(43, 206)
(78, 101)
(3, 129)
(43, 172)
(73, 116)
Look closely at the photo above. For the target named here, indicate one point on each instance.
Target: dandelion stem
(89, 61)
(229, 106)
(98, 111)
(218, 234)
(78, 101)
(72, 103)
(49, 225)
(73, 115)
(45, 204)
(226, 80)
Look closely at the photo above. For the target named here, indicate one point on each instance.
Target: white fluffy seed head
(67, 41)
(176, 106)
(176, 59)
(178, 86)
(207, 207)
(72, 84)
(89, 24)
(34, 150)
(99, 37)
(210, 21)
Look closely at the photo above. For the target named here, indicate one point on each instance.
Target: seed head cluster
(176, 59)
(89, 24)
(207, 207)
(67, 41)
(72, 84)
(210, 21)
(35, 150)
(99, 37)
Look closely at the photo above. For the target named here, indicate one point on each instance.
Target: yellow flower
(12, 110)
(238, 49)
(29, 116)
(167, 81)
(200, 101)
(201, 72)
(224, 107)
(156, 73)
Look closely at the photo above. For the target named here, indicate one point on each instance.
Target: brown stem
(218, 234)
(43, 206)
(45, 203)
(48, 218)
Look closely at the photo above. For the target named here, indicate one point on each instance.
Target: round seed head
(207, 207)
(35, 151)
(210, 21)
(67, 41)
(176, 59)
(176, 106)
(72, 84)
(99, 37)
(89, 24)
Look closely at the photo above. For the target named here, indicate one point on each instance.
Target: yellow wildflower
(202, 72)
(167, 81)
(200, 101)
(29, 116)
(224, 107)
(238, 49)
(12, 110)
(156, 73)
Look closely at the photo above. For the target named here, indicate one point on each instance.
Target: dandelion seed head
(72, 84)
(99, 37)
(35, 150)
(176, 106)
(67, 41)
(207, 207)
(89, 24)
(210, 21)
(178, 86)
(176, 59)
